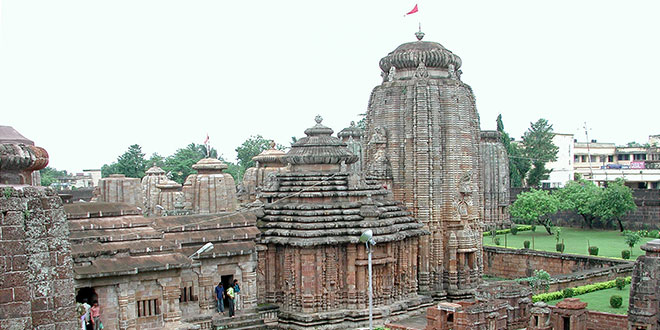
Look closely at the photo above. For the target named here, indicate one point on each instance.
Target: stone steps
(248, 320)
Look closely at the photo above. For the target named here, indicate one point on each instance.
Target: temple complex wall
(644, 303)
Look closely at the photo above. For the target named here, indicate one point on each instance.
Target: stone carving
(421, 72)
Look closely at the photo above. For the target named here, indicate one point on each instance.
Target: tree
(535, 206)
(519, 164)
(156, 160)
(615, 201)
(132, 163)
(49, 175)
(540, 149)
(631, 238)
(581, 196)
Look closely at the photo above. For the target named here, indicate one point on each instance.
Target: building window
(602, 159)
(623, 157)
(610, 158)
(187, 294)
(576, 158)
(584, 158)
(148, 307)
(639, 156)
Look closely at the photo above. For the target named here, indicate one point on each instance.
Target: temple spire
(419, 34)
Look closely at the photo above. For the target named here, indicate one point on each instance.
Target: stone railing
(269, 313)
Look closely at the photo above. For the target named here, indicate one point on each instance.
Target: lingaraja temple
(422, 176)
(423, 139)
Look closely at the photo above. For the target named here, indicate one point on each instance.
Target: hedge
(507, 231)
(580, 290)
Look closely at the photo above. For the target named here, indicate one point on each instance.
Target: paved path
(413, 323)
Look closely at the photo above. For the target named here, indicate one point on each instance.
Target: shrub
(514, 230)
(580, 290)
(568, 292)
(620, 283)
(526, 244)
(593, 250)
(653, 234)
(533, 228)
(560, 247)
(625, 254)
(497, 241)
(616, 301)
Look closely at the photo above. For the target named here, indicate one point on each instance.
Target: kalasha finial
(419, 34)
(352, 123)
(318, 119)
(272, 144)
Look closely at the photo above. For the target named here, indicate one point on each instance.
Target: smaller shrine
(267, 164)
(117, 188)
(211, 190)
(153, 176)
(311, 262)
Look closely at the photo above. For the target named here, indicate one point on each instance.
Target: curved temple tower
(423, 140)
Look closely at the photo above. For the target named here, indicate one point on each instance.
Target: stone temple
(423, 140)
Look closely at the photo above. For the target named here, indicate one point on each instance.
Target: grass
(600, 300)
(609, 242)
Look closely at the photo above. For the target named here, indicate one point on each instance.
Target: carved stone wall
(495, 178)
(423, 123)
(211, 190)
(117, 188)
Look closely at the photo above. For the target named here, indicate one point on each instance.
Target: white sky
(86, 79)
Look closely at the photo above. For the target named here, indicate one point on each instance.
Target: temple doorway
(86, 295)
(226, 280)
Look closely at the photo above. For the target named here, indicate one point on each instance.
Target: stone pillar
(206, 287)
(127, 312)
(570, 310)
(249, 285)
(644, 303)
(36, 269)
(171, 288)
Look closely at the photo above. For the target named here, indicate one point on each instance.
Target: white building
(562, 168)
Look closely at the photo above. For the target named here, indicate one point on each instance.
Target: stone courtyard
(422, 176)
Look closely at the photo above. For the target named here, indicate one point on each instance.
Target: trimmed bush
(527, 244)
(616, 301)
(533, 229)
(507, 231)
(593, 250)
(568, 292)
(580, 290)
(497, 241)
(625, 254)
(620, 283)
(514, 230)
(560, 247)
(653, 234)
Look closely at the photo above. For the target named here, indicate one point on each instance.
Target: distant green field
(609, 242)
(600, 300)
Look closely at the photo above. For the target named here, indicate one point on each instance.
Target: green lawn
(609, 242)
(600, 300)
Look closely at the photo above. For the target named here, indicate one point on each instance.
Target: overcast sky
(86, 79)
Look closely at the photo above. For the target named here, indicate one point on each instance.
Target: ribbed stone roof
(410, 54)
(154, 170)
(351, 131)
(270, 156)
(319, 147)
(209, 165)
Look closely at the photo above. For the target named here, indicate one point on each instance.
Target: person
(237, 293)
(230, 299)
(87, 320)
(220, 298)
(96, 315)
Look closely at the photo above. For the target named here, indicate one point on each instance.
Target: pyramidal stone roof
(351, 131)
(310, 208)
(319, 147)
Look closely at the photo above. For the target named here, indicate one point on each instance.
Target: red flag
(207, 139)
(414, 10)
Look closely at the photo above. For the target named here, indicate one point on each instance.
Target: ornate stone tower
(153, 176)
(644, 306)
(495, 178)
(311, 262)
(353, 137)
(423, 136)
(267, 164)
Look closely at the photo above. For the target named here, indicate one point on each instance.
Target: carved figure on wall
(421, 72)
(465, 184)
